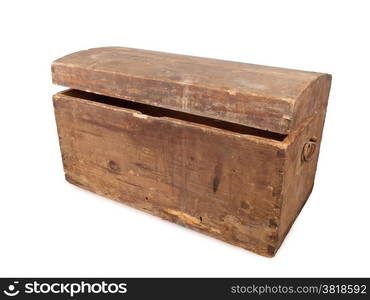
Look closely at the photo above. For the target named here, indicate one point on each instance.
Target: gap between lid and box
(158, 112)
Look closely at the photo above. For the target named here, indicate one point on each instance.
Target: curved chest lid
(262, 97)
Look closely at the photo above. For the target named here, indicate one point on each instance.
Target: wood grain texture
(267, 98)
(240, 188)
(221, 183)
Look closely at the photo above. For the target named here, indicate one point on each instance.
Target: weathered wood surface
(268, 98)
(224, 184)
(299, 174)
(240, 188)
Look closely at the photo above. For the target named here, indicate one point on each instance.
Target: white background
(51, 228)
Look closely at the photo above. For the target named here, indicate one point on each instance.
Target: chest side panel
(301, 163)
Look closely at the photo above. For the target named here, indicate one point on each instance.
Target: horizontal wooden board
(268, 98)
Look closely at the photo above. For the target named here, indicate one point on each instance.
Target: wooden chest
(226, 148)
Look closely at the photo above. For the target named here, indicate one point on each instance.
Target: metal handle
(309, 149)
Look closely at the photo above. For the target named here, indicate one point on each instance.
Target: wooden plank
(267, 98)
(222, 183)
